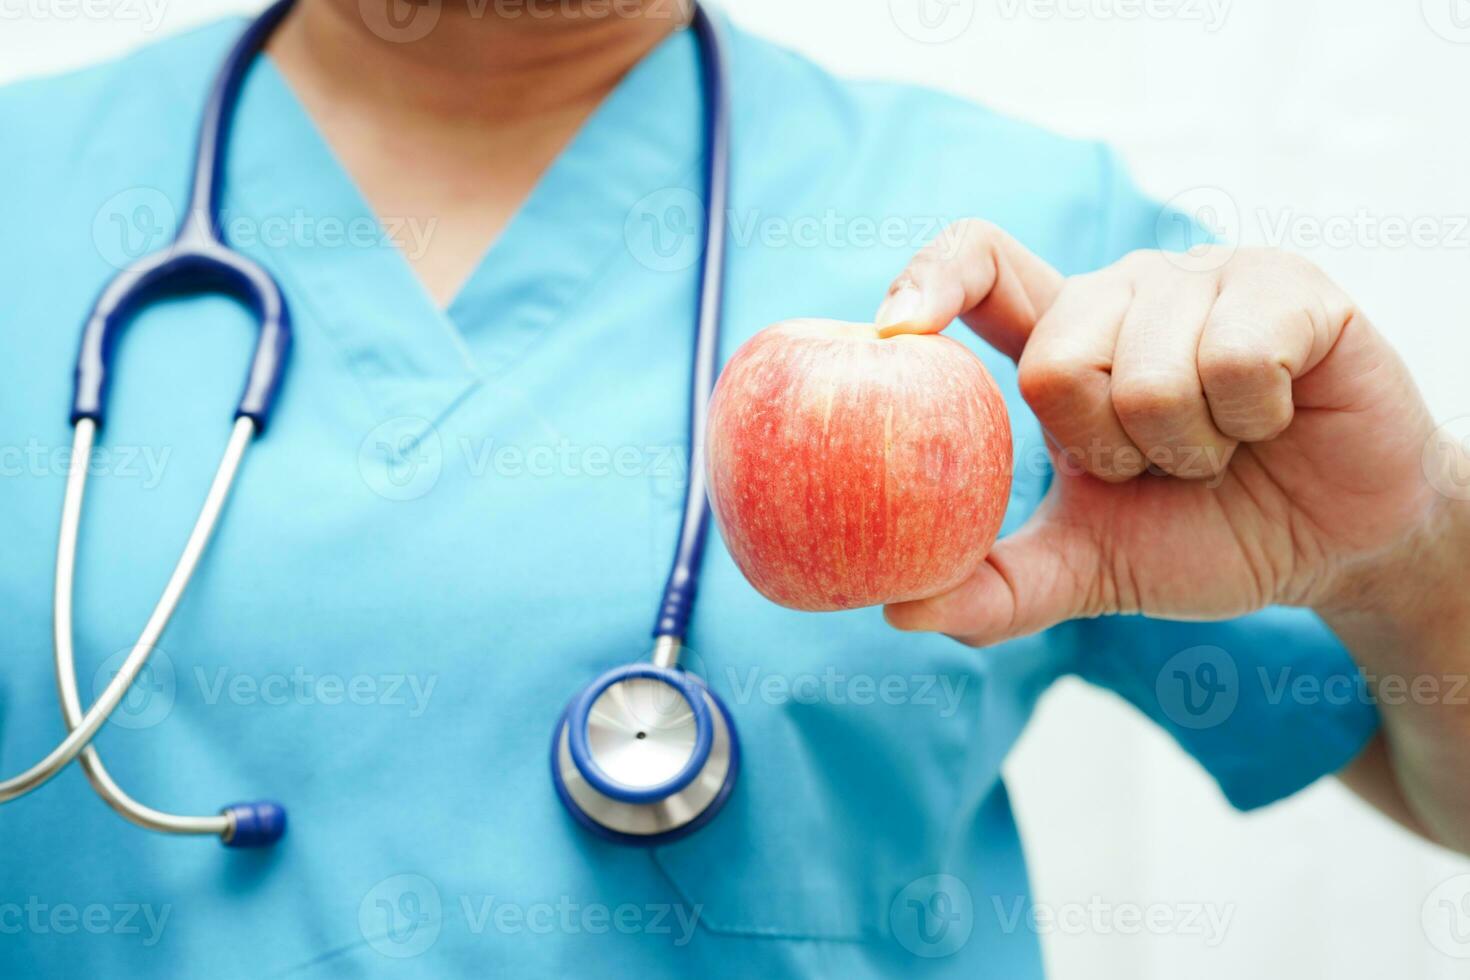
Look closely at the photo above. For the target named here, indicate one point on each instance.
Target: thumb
(975, 271)
(1044, 574)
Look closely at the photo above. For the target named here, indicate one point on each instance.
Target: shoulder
(63, 122)
(157, 69)
(109, 144)
(916, 149)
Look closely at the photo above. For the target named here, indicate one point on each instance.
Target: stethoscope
(644, 754)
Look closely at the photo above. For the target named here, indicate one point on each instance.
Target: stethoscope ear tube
(190, 266)
(683, 581)
(66, 680)
(196, 261)
(242, 825)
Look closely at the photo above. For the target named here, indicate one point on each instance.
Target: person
(464, 504)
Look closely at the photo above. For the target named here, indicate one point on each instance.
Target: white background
(1330, 116)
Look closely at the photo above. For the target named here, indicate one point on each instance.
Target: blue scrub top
(460, 516)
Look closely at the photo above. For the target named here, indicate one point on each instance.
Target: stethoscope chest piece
(645, 754)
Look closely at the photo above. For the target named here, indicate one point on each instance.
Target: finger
(1156, 389)
(1276, 318)
(1042, 575)
(975, 271)
(1065, 376)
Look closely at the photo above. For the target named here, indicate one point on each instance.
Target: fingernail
(901, 616)
(900, 307)
(892, 617)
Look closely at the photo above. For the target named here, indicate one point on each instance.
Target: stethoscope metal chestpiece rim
(628, 709)
(657, 788)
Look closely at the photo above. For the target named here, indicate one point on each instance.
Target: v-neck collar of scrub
(338, 261)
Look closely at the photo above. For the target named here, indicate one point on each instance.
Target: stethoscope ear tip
(258, 824)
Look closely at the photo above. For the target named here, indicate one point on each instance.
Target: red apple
(847, 470)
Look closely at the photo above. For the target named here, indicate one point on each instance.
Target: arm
(1229, 432)
(1406, 619)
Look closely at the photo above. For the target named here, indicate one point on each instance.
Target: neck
(471, 61)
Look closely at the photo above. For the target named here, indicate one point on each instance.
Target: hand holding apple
(1224, 438)
(850, 470)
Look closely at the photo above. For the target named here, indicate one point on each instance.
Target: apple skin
(847, 470)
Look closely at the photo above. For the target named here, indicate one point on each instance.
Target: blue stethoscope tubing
(663, 695)
(199, 261)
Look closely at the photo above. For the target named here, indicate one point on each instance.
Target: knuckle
(1146, 262)
(1269, 425)
(1221, 256)
(1109, 288)
(1276, 264)
(971, 229)
(1261, 421)
(965, 237)
(1154, 400)
(1084, 283)
(924, 262)
(1229, 365)
(1058, 385)
(904, 280)
(1339, 307)
(1297, 265)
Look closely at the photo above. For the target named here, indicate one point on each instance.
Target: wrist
(1413, 599)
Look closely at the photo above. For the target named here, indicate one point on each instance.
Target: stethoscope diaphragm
(645, 754)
